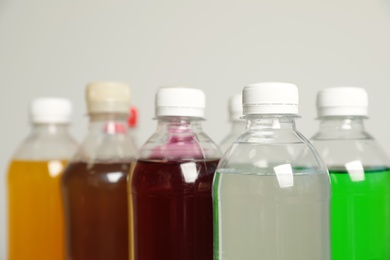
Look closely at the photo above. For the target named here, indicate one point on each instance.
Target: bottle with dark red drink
(170, 184)
(94, 184)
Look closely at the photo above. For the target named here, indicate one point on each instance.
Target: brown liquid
(96, 211)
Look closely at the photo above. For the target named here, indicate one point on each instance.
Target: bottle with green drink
(360, 176)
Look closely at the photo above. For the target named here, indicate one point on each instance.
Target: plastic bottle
(94, 183)
(35, 213)
(237, 124)
(359, 173)
(267, 205)
(170, 184)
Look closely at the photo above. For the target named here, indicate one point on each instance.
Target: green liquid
(361, 214)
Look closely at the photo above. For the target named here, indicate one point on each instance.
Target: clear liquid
(271, 217)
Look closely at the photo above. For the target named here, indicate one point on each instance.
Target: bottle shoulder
(338, 153)
(264, 150)
(46, 147)
(106, 147)
(228, 141)
(182, 145)
(342, 136)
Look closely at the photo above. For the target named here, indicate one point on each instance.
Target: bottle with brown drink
(94, 183)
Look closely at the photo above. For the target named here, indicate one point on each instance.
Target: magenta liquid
(172, 209)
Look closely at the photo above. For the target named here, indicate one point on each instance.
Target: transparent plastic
(268, 204)
(94, 191)
(360, 176)
(237, 128)
(170, 193)
(35, 214)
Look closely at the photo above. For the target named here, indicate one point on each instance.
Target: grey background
(53, 48)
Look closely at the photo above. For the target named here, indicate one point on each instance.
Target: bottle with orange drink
(35, 214)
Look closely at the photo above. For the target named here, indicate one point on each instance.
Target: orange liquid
(35, 214)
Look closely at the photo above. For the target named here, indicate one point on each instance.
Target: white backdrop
(53, 48)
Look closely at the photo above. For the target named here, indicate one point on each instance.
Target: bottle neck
(49, 129)
(329, 124)
(344, 127)
(237, 126)
(271, 122)
(172, 124)
(179, 138)
(109, 123)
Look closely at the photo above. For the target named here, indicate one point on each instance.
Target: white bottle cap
(235, 107)
(342, 101)
(270, 98)
(108, 97)
(180, 101)
(50, 110)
